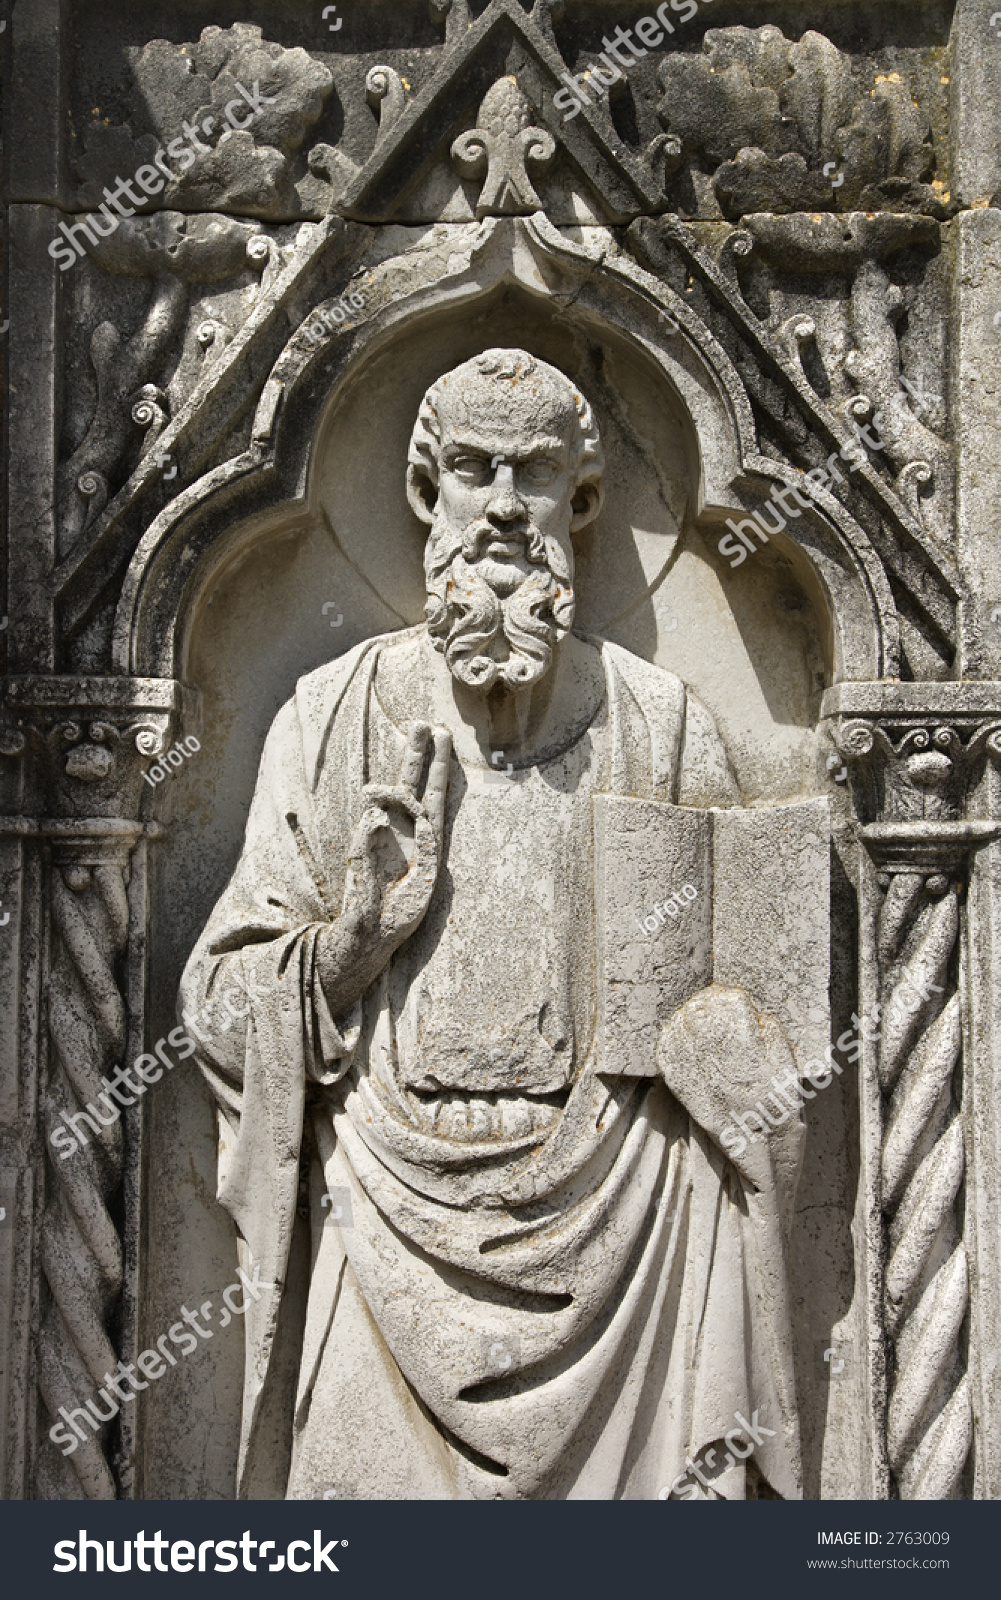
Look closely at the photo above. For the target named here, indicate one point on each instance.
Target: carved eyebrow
(538, 447)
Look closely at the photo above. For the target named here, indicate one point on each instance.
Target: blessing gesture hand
(393, 866)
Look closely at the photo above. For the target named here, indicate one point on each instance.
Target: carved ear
(586, 504)
(422, 492)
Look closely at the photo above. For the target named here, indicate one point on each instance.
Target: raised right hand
(393, 866)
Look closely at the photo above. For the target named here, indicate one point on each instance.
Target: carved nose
(504, 505)
(505, 502)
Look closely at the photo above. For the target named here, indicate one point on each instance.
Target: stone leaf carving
(802, 421)
(782, 126)
(919, 456)
(384, 92)
(174, 251)
(91, 755)
(850, 352)
(918, 773)
(248, 168)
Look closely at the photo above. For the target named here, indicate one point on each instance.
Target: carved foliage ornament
(916, 773)
(785, 126)
(248, 103)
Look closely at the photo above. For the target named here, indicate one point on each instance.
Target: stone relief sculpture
(544, 1280)
(686, 773)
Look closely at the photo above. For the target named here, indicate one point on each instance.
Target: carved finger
(389, 795)
(413, 756)
(437, 785)
(405, 902)
(362, 886)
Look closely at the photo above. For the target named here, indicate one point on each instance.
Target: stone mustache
(543, 1277)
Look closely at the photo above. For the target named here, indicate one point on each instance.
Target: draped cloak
(577, 1293)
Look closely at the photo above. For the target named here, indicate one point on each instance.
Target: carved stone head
(505, 464)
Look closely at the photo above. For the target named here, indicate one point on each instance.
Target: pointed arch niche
(290, 553)
(318, 502)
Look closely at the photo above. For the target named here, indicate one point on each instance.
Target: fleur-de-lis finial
(500, 149)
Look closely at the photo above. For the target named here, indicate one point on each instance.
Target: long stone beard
(465, 613)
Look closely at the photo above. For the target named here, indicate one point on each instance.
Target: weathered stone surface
(692, 579)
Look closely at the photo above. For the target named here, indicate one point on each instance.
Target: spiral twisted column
(85, 744)
(926, 1292)
(918, 756)
(81, 1251)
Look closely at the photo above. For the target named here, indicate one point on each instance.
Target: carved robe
(491, 1271)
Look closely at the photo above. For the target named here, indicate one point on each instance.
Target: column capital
(914, 749)
(85, 740)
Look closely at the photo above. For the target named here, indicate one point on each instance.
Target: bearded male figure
(492, 1268)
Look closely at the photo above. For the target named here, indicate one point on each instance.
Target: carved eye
(539, 473)
(470, 469)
